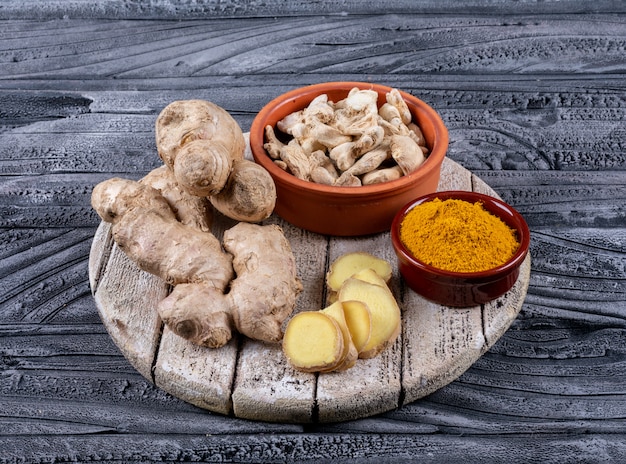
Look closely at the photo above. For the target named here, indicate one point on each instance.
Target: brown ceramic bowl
(460, 288)
(347, 211)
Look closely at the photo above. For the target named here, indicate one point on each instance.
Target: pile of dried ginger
(351, 142)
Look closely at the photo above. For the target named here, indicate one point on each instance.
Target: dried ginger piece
(406, 153)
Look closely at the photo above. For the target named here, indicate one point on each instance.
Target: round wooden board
(252, 380)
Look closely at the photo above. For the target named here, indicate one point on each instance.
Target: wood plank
(446, 44)
(43, 275)
(201, 376)
(266, 385)
(268, 389)
(440, 343)
(126, 298)
(498, 315)
(99, 254)
(47, 10)
(376, 383)
(336, 448)
(373, 385)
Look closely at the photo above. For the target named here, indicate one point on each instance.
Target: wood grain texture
(189, 10)
(533, 96)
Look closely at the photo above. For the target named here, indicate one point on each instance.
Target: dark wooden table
(534, 96)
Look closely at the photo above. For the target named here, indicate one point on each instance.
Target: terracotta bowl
(347, 211)
(459, 288)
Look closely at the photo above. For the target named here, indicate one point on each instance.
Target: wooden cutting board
(252, 380)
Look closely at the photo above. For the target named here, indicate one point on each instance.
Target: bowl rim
(433, 161)
(510, 265)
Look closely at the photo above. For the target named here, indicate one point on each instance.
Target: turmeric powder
(456, 235)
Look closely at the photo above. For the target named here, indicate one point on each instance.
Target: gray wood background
(534, 96)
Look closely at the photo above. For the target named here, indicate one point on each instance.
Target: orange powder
(458, 236)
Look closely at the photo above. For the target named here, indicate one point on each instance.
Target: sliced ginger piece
(359, 320)
(385, 313)
(371, 276)
(313, 342)
(349, 264)
(350, 353)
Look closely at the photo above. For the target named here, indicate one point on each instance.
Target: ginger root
(264, 293)
(163, 224)
(198, 141)
(189, 209)
(366, 315)
(200, 308)
(146, 229)
(247, 195)
(204, 147)
(361, 143)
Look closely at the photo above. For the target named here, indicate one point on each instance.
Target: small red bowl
(347, 211)
(462, 289)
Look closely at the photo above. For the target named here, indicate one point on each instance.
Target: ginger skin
(189, 209)
(146, 229)
(203, 146)
(199, 313)
(264, 293)
(198, 141)
(249, 193)
(199, 309)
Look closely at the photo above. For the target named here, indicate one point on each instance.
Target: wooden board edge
(135, 332)
(99, 253)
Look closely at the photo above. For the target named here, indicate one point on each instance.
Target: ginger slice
(350, 353)
(385, 312)
(359, 320)
(313, 341)
(349, 264)
(371, 276)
